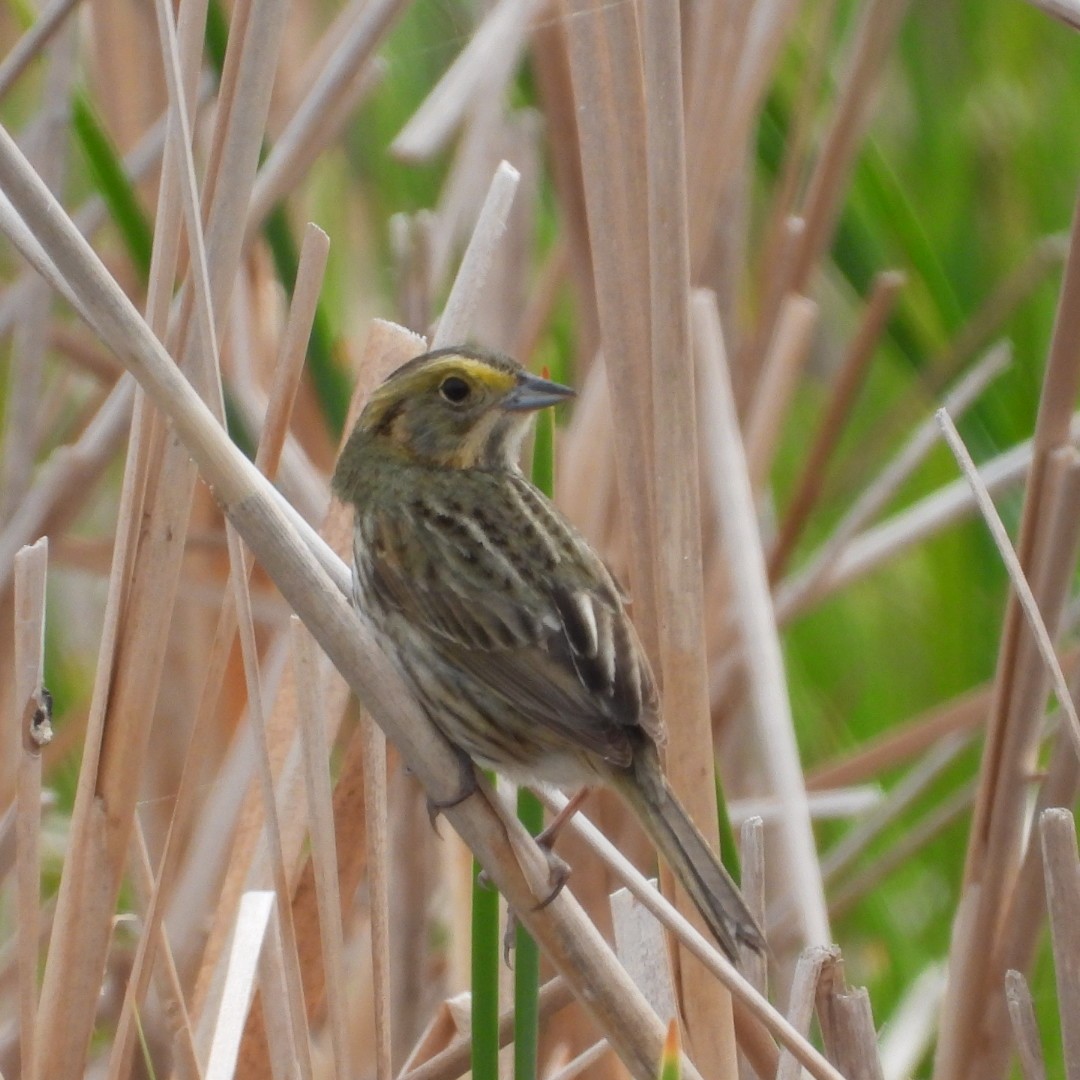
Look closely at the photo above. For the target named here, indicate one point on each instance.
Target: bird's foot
(558, 876)
(468, 787)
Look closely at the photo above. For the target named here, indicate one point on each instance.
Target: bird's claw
(468, 787)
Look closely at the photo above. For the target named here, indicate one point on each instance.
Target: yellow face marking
(474, 371)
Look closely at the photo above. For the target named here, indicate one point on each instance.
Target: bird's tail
(698, 869)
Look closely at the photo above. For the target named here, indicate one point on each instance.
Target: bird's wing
(535, 616)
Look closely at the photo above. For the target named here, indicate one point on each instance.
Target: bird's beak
(532, 392)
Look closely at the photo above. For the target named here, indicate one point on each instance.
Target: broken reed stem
(801, 1000)
(1016, 575)
(778, 751)
(453, 1060)
(461, 304)
(30, 730)
(847, 1024)
(1024, 1026)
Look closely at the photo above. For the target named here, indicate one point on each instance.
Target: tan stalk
(482, 67)
(22, 429)
(742, 991)
(847, 1024)
(801, 999)
(28, 732)
(1058, 834)
(804, 587)
(784, 363)
(456, 319)
(677, 561)
(778, 753)
(453, 1060)
(605, 67)
(995, 829)
(31, 44)
(878, 24)
(849, 380)
(1025, 1028)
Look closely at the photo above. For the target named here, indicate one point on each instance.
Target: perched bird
(505, 625)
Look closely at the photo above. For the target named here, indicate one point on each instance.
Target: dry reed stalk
(752, 882)
(453, 1060)
(847, 1024)
(909, 1032)
(323, 849)
(774, 390)
(805, 585)
(1066, 11)
(755, 1008)
(916, 837)
(801, 998)
(778, 753)
(716, 34)
(344, 78)
(385, 350)
(186, 1063)
(109, 783)
(482, 68)
(1057, 832)
(29, 731)
(461, 304)
(48, 145)
(676, 555)
(878, 24)
(1022, 922)
(846, 385)
(312, 262)
(856, 840)
(925, 518)
(587, 1059)
(1025, 1028)
(374, 747)
(295, 1014)
(993, 846)
(642, 950)
(608, 87)
(33, 42)
(551, 65)
(255, 953)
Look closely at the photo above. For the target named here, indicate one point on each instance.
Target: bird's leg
(550, 834)
(468, 787)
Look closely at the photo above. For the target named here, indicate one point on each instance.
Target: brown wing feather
(540, 620)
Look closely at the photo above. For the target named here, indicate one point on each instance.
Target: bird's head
(454, 408)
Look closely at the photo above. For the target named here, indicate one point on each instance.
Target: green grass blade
(112, 182)
(485, 980)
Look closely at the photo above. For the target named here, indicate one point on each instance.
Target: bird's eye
(455, 390)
